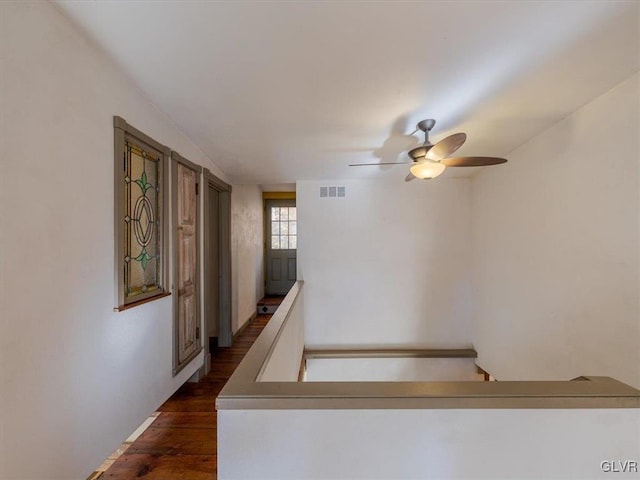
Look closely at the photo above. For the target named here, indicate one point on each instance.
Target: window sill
(122, 308)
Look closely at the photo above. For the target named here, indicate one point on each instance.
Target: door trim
(265, 197)
(225, 334)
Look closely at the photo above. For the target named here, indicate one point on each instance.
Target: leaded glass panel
(141, 216)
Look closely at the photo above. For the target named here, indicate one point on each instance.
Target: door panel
(291, 275)
(186, 263)
(187, 330)
(275, 270)
(281, 243)
(186, 260)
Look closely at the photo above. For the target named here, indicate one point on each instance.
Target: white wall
(391, 370)
(417, 444)
(77, 378)
(283, 364)
(555, 236)
(247, 271)
(386, 265)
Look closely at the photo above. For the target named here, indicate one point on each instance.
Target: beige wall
(555, 236)
(247, 252)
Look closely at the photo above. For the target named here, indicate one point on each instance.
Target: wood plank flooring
(181, 443)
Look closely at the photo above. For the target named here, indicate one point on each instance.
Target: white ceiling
(277, 92)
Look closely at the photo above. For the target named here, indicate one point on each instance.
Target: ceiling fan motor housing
(419, 153)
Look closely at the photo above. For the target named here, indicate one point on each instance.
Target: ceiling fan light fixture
(431, 160)
(426, 169)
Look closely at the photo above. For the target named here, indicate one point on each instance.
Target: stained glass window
(140, 253)
(283, 228)
(142, 214)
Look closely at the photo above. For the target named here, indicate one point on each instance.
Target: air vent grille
(333, 191)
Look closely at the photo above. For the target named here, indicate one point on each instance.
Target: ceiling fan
(430, 160)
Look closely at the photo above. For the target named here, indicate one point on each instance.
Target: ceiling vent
(333, 191)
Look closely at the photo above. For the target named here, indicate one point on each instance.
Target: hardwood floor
(181, 443)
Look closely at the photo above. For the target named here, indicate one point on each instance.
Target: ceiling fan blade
(410, 177)
(446, 147)
(473, 161)
(374, 164)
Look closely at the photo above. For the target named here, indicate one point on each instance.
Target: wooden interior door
(187, 322)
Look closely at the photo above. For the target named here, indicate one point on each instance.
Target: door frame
(225, 333)
(266, 227)
(175, 159)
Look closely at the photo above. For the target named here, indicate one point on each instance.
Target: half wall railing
(270, 425)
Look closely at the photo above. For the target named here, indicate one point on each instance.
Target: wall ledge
(242, 391)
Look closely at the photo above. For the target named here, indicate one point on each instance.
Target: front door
(281, 245)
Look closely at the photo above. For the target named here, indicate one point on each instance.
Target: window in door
(283, 228)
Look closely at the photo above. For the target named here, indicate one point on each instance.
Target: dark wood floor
(181, 443)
